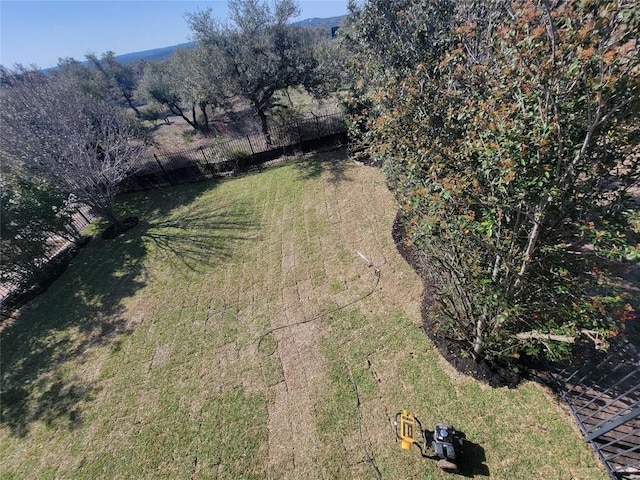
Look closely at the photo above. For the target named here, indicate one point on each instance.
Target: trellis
(604, 397)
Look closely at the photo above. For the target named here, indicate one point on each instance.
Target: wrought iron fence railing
(225, 155)
(221, 157)
(603, 393)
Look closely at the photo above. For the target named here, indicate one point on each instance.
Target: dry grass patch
(239, 119)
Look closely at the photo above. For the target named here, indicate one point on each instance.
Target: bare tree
(50, 128)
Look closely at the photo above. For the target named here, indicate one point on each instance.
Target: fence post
(206, 160)
(209, 165)
(163, 170)
(250, 146)
(299, 131)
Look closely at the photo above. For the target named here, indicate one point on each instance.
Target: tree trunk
(478, 344)
(131, 105)
(204, 128)
(176, 110)
(265, 126)
(538, 219)
(195, 123)
(109, 212)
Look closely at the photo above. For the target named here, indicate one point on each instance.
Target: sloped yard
(147, 358)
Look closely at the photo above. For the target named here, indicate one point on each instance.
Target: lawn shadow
(83, 309)
(473, 459)
(205, 237)
(80, 310)
(334, 162)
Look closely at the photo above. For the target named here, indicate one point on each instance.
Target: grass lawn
(143, 360)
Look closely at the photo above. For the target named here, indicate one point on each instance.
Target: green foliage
(187, 84)
(258, 52)
(120, 79)
(152, 113)
(30, 213)
(509, 149)
(384, 41)
(188, 135)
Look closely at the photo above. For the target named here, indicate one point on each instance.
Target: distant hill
(155, 55)
(159, 54)
(321, 22)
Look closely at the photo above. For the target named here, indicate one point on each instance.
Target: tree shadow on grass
(80, 310)
(44, 349)
(334, 162)
(202, 238)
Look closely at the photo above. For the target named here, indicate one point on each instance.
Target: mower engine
(446, 443)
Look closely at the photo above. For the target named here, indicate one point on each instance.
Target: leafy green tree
(259, 52)
(188, 84)
(55, 132)
(84, 77)
(120, 79)
(512, 155)
(31, 213)
(330, 57)
(202, 82)
(158, 84)
(383, 41)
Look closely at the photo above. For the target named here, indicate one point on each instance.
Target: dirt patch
(300, 358)
(453, 353)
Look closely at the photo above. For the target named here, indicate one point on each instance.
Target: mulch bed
(494, 376)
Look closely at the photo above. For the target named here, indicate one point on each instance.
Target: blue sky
(39, 32)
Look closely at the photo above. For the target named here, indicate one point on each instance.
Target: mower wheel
(447, 466)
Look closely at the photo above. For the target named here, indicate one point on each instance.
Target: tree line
(73, 134)
(508, 132)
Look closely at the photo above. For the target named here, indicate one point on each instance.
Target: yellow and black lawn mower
(442, 444)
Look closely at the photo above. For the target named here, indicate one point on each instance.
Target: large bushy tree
(383, 41)
(259, 52)
(52, 129)
(119, 79)
(512, 153)
(190, 84)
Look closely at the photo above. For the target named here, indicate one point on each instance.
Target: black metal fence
(221, 157)
(603, 394)
(224, 156)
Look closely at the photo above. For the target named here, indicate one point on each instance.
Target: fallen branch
(535, 335)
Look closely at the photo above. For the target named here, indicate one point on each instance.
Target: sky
(37, 32)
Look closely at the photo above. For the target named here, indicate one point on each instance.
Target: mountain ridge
(163, 53)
